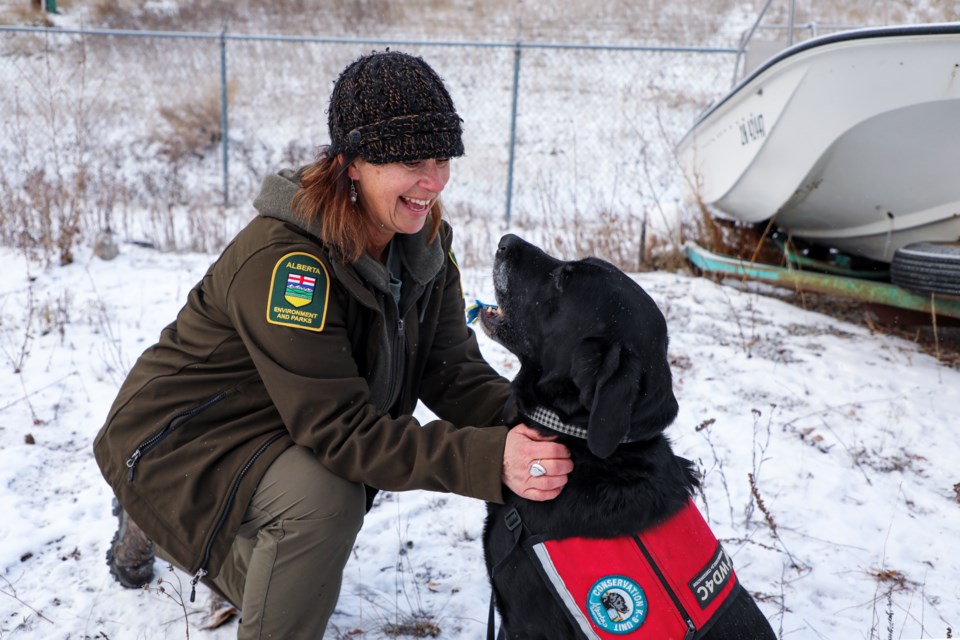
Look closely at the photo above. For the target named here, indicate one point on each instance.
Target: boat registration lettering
(751, 129)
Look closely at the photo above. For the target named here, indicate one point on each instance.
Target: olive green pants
(286, 564)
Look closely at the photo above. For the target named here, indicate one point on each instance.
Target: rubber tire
(927, 267)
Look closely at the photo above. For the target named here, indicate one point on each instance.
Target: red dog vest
(663, 584)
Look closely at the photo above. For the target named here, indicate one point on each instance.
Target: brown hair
(324, 193)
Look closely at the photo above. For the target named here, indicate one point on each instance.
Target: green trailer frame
(868, 291)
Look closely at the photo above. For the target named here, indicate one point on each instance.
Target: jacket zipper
(202, 571)
(691, 628)
(399, 355)
(151, 442)
(400, 343)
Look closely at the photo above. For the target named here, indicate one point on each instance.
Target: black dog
(599, 560)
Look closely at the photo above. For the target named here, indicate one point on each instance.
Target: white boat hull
(851, 141)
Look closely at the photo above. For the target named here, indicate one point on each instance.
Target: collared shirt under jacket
(283, 343)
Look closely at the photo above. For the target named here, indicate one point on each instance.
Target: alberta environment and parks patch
(299, 290)
(617, 604)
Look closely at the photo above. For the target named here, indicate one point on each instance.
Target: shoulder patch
(299, 291)
(453, 259)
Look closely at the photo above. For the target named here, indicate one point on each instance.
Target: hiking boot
(130, 556)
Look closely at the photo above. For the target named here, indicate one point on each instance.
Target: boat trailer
(867, 291)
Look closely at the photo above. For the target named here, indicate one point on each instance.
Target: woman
(245, 442)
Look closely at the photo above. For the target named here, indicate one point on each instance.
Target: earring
(353, 192)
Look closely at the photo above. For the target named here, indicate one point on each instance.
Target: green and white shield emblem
(299, 291)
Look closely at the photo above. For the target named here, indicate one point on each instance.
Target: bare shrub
(128, 14)
(193, 127)
(611, 236)
(24, 13)
(362, 14)
(48, 183)
(42, 214)
(663, 254)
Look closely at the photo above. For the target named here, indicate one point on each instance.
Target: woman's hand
(526, 446)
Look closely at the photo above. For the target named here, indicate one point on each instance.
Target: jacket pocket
(173, 424)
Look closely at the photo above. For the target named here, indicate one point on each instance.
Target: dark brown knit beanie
(389, 106)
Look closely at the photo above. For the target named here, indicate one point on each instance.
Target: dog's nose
(507, 241)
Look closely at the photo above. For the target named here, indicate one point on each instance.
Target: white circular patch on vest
(617, 604)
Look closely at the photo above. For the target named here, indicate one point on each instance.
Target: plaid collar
(549, 419)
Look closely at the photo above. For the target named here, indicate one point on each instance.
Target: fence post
(224, 143)
(791, 21)
(513, 129)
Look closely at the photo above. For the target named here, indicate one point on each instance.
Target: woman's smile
(417, 205)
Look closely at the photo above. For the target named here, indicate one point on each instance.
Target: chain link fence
(164, 137)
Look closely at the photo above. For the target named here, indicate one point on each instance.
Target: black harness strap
(515, 525)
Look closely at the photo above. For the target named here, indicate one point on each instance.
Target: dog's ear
(608, 384)
(561, 275)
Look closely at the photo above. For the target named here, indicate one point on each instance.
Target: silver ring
(537, 470)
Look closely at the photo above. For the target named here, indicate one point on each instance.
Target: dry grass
(496, 18)
(647, 20)
(858, 12)
(23, 13)
(193, 124)
(414, 626)
(49, 206)
(43, 215)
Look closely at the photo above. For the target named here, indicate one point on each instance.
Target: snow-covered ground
(850, 437)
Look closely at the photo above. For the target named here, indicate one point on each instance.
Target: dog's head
(591, 343)
(614, 601)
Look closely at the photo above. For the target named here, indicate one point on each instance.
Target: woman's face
(398, 195)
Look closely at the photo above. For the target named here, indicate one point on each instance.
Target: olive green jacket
(261, 358)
